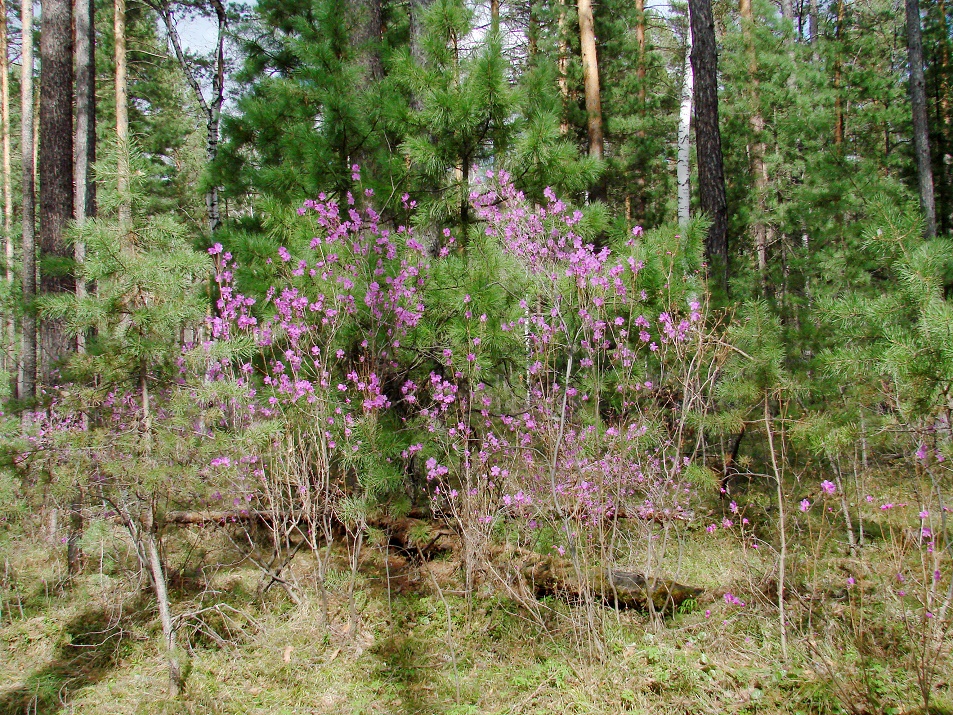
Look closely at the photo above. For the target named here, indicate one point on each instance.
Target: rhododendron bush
(531, 378)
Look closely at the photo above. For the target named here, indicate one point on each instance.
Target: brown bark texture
(590, 73)
(760, 229)
(711, 171)
(55, 170)
(27, 387)
(918, 105)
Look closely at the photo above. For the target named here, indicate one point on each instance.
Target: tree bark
(683, 166)
(28, 278)
(176, 673)
(10, 351)
(640, 42)
(562, 67)
(211, 109)
(813, 16)
(56, 167)
(85, 133)
(756, 149)
(590, 75)
(918, 105)
(838, 100)
(123, 176)
(711, 171)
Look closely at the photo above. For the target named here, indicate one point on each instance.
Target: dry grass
(403, 656)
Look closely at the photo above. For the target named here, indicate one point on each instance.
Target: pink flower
(828, 487)
(805, 505)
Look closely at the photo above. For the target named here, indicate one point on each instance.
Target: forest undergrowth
(530, 468)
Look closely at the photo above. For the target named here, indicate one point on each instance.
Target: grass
(92, 647)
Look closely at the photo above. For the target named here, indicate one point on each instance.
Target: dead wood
(554, 576)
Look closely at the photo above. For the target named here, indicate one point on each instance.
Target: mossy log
(553, 576)
(418, 537)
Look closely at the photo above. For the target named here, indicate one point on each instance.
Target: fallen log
(543, 575)
(554, 576)
(418, 537)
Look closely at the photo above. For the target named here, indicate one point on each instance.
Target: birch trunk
(683, 166)
(28, 278)
(211, 109)
(176, 674)
(918, 105)
(562, 65)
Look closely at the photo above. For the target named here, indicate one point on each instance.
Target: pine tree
(711, 177)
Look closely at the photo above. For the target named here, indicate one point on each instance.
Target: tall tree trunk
(640, 42)
(532, 33)
(943, 118)
(366, 35)
(213, 109)
(28, 278)
(562, 67)
(760, 230)
(918, 104)
(494, 16)
(418, 9)
(56, 167)
(123, 175)
(10, 347)
(838, 100)
(813, 17)
(683, 168)
(711, 171)
(85, 144)
(590, 74)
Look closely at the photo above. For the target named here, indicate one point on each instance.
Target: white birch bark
(683, 167)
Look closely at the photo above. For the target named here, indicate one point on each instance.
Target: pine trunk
(943, 119)
(368, 36)
(813, 17)
(28, 278)
(10, 351)
(838, 100)
(56, 168)
(123, 177)
(711, 171)
(590, 75)
(640, 42)
(562, 66)
(85, 133)
(918, 104)
(756, 149)
(683, 167)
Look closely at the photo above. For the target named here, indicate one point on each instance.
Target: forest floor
(408, 641)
